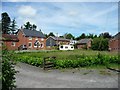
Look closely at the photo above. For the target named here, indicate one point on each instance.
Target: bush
(100, 44)
(8, 71)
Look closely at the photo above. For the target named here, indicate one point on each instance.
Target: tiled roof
(84, 41)
(59, 39)
(117, 36)
(33, 33)
(8, 37)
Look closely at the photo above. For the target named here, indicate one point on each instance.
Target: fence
(48, 62)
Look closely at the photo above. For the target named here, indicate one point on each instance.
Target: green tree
(13, 27)
(82, 36)
(105, 35)
(28, 26)
(69, 36)
(51, 34)
(5, 23)
(34, 27)
(100, 44)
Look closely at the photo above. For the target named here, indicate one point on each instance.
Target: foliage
(13, 26)
(69, 59)
(100, 44)
(68, 36)
(29, 26)
(105, 35)
(83, 35)
(50, 34)
(5, 23)
(8, 70)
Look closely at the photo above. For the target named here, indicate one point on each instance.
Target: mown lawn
(74, 59)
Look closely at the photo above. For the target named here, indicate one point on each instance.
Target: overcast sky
(66, 17)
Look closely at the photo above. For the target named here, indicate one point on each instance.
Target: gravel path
(34, 77)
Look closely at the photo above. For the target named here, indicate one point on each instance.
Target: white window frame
(31, 45)
(38, 46)
(42, 45)
(42, 39)
(13, 44)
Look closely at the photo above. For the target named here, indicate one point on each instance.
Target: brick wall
(10, 45)
(114, 45)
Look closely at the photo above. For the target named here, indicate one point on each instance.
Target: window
(30, 38)
(42, 39)
(71, 47)
(30, 44)
(37, 43)
(66, 47)
(36, 39)
(61, 47)
(13, 43)
(41, 45)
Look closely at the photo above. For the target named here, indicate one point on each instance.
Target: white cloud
(27, 11)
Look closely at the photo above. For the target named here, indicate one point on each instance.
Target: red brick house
(84, 43)
(31, 39)
(10, 41)
(114, 43)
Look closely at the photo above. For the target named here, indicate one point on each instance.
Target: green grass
(64, 54)
(67, 59)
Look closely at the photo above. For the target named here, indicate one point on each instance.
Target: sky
(65, 17)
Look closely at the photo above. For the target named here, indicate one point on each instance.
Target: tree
(51, 34)
(34, 27)
(69, 36)
(83, 36)
(105, 35)
(100, 44)
(5, 23)
(13, 26)
(28, 26)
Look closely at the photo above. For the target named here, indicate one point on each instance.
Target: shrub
(8, 71)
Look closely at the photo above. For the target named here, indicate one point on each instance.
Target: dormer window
(30, 38)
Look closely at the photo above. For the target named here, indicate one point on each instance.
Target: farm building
(84, 43)
(53, 41)
(31, 39)
(10, 41)
(114, 43)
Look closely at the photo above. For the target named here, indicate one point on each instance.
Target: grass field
(64, 54)
(76, 58)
